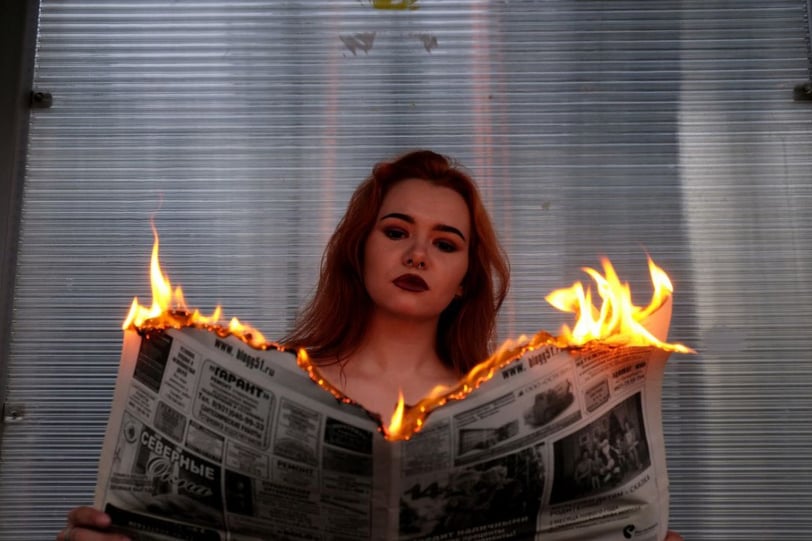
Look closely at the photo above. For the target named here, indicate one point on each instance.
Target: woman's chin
(409, 312)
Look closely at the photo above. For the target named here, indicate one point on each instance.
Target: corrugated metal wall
(594, 127)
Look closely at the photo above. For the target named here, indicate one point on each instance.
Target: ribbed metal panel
(594, 127)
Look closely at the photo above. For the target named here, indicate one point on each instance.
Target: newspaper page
(559, 445)
(210, 439)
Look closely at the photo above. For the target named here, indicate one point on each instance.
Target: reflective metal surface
(594, 128)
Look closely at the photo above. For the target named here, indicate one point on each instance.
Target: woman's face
(416, 255)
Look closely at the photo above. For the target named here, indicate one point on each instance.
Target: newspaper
(210, 439)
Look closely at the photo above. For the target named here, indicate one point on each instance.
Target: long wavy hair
(333, 323)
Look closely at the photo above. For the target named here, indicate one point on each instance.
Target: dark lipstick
(411, 282)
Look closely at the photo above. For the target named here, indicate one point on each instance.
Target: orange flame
(396, 423)
(163, 299)
(412, 419)
(617, 321)
(169, 309)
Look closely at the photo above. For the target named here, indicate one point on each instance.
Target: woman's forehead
(429, 202)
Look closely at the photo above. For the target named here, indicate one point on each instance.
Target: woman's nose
(416, 263)
(416, 256)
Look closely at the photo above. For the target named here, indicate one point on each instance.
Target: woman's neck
(396, 356)
(394, 345)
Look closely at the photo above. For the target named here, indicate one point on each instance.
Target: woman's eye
(394, 233)
(446, 246)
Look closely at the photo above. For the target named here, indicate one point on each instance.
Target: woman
(410, 285)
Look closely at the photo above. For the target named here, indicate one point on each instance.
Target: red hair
(333, 323)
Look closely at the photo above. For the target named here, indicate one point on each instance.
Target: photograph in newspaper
(605, 454)
(495, 499)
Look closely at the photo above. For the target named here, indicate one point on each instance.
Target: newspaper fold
(211, 439)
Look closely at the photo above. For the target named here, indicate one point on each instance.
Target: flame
(396, 423)
(412, 419)
(169, 309)
(618, 321)
(163, 299)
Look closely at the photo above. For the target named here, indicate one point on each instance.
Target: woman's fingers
(88, 524)
(88, 516)
(673, 536)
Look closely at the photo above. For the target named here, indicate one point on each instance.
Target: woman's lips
(411, 282)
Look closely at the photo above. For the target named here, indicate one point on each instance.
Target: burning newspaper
(217, 434)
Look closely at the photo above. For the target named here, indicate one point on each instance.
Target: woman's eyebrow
(439, 227)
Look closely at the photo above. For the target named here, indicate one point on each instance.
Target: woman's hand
(673, 536)
(88, 524)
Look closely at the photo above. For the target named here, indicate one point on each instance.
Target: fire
(396, 423)
(169, 309)
(617, 321)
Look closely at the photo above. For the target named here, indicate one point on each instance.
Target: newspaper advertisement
(211, 439)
